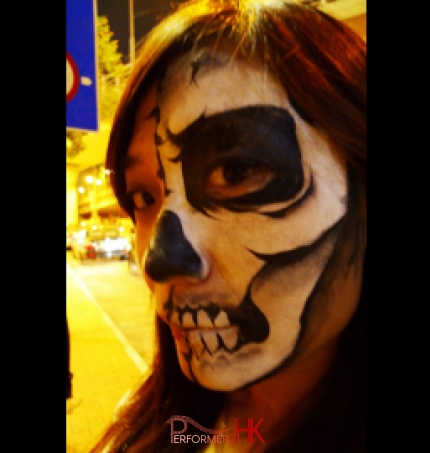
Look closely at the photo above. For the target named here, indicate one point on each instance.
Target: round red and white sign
(72, 78)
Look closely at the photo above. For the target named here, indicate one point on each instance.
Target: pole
(132, 38)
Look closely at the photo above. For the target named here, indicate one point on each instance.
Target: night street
(123, 295)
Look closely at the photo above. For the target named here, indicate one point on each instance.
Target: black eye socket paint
(265, 135)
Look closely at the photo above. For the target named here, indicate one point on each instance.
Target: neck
(281, 399)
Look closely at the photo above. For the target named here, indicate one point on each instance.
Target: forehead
(141, 149)
(207, 82)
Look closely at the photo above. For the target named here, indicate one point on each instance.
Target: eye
(237, 177)
(141, 199)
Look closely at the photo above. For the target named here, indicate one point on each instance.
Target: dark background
(146, 14)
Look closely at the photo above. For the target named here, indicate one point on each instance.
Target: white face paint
(254, 203)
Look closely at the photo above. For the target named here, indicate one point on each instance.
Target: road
(123, 295)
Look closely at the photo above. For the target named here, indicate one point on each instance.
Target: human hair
(321, 63)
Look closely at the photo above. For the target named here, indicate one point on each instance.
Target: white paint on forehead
(220, 84)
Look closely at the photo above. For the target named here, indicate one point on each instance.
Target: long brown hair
(321, 63)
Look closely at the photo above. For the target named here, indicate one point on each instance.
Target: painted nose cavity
(170, 254)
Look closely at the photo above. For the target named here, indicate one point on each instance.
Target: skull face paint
(237, 218)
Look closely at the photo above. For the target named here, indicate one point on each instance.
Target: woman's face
(239, 208)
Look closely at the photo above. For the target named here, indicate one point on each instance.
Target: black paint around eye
(264, 134)
(235, 173)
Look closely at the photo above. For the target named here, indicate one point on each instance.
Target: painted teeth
(187, 320)
(230, 341)
(210, 341)
(202, 318)
(221, 320)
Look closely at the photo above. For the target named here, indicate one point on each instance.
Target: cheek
(143, 236)
(145, 225)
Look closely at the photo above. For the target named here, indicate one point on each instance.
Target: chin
(225, 373)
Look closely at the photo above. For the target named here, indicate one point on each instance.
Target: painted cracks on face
(203, 60)
(161, 174)
(257, 140)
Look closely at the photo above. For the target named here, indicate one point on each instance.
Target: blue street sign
(81, 66)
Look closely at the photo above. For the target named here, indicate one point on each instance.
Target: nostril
(170, 253)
